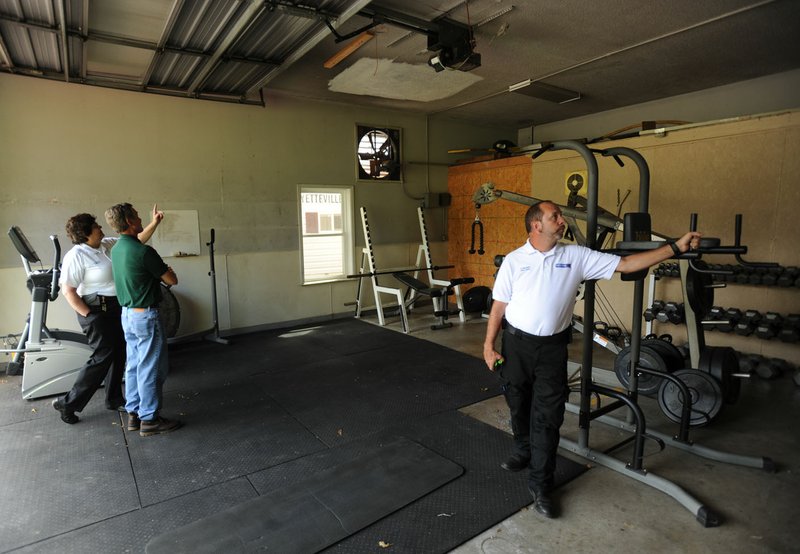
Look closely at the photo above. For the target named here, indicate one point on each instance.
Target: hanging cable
(477, 223)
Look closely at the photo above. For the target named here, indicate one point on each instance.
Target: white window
(326, 220)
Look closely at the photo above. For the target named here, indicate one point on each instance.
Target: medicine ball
(476, 298)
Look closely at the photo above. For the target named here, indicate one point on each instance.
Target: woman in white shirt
(88, 285)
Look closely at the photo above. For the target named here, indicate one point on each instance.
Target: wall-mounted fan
(378, 153)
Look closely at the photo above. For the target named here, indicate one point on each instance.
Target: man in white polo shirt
(535, 292)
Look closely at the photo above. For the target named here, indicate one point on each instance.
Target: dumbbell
(748, 323)
(790, 332)
(787, 276)
(747, 362)
(770, 277)
(672, 313)
(713, 317)
(729, 319)
(756, 276)
(742, 275)
(769, 326)
(651, 312)
(771, 368)
(726, 273)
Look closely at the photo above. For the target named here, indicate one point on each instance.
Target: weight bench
(439, 295)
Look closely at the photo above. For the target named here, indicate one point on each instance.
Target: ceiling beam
(302, 49)
(174, 12)
(83, 29)
(62, 23)
(248, 16)
(5, 58)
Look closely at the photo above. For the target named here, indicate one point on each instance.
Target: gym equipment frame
(52, 357)
(438, 290)
(597, 224)
(211, 334)
(424, 256)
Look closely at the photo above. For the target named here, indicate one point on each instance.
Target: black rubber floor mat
(465, 507)
(325, 507)
(58, 477)
(130, 532)
(365, 392)
(230, 431)
(13, 408)
(315, 400)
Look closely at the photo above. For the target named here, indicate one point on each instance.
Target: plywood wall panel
(502, 221)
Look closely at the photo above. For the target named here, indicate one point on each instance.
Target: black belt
(98, 301)
(559, 338)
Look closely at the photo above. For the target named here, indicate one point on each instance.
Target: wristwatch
(675, 249)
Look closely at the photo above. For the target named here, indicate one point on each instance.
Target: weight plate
(726, 362)
(721, 363)
(705, 397)
(669, 353)
(170, 312)
(698, 291)
(649, 359)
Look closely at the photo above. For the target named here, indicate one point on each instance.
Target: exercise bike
(49, 359)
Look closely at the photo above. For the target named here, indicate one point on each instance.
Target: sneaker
(67, 416)
(133, 422)
(157, 426)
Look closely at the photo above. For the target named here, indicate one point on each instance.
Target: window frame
(347, 234)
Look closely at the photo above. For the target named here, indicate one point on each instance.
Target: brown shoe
(133, 422)
(157, 426)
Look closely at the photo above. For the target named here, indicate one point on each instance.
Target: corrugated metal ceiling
(613, 53)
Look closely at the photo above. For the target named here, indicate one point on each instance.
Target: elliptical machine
(49, 359)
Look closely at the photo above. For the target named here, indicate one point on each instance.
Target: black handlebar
(56, 267)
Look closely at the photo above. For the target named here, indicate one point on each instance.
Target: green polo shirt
(137, 273)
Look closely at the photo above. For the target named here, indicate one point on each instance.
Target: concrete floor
(606, 511)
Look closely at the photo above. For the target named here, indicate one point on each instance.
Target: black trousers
(534, 378)
(103, 330)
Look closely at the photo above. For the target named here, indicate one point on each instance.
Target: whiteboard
(178, 234)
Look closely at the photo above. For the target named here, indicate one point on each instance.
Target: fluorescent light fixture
(545, 92)
(494, 16)
(521, 84)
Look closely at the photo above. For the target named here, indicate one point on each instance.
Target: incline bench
(438, 294)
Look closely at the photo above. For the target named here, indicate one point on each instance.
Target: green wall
(67, 148)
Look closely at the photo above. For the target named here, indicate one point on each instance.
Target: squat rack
(636, 421)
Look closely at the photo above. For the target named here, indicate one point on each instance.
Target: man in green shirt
(138, 274)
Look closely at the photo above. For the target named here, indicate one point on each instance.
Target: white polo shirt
(540, 288)
(89, 269)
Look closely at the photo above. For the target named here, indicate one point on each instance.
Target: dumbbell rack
(635, 422)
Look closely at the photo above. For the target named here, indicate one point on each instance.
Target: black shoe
(133, 422)
(515, 463)
(157, 426)
(116, 406)
(66, 415)
(542, 503)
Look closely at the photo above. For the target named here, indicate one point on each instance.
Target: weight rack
(635, 422)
